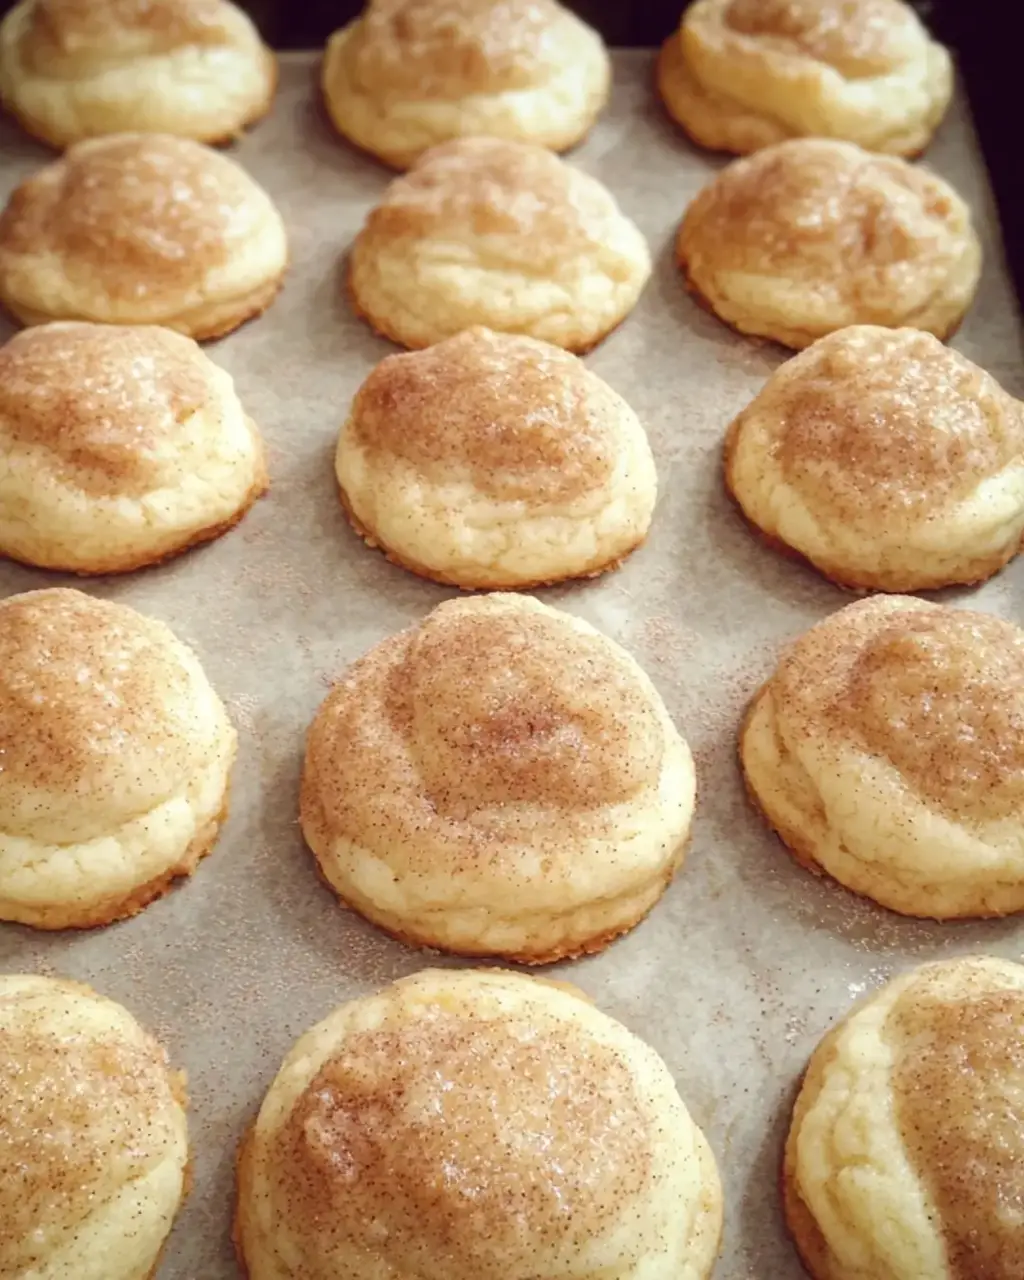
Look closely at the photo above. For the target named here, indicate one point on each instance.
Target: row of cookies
(799, 240)
(886, 459)
(487, 461)
(502, 779)
(476, 1125)
(407, 75)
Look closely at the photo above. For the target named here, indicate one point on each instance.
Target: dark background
(982, 34)
(304, 24)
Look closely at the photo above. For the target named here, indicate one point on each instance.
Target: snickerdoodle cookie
(887, 751)
(93, 1144)
(739, 75)
(409, 74)
(121, 445)
(75, 69)
(906, 1154)
(810, 236)
(141, 229)
(468, 1125)
(491, 460)
(500, 780)
(116, 756)
(489, 232)
(886, 459)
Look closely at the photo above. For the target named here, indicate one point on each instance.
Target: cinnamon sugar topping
(859, 38)
(74, 27)
(471, 720)
(464, 1146)
(821, 211)
(958, 1083)
(938, 692)
(105, 402)
(538, 209)
(451, 48)
(875, 421)
(524, 421)
(96, 714)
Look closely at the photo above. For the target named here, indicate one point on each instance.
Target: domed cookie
(887, 751)
(409, 74)
(501, 234)
(116, 760)
(810, 236)
(93, 1145)
(75, 69)
(141, 229)
(492, 460)
(465, 1125)
(122, 446)
(905, 1157)
(739, 75)
(888, 460)
(499, 780)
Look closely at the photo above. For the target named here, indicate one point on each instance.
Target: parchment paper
(747, 959)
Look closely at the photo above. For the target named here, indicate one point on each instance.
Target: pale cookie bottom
(179, 1089)
(482, 581)
(711, 120)
(119, 906)
(719, 123)
(941, 321)
(243, 1178)
(803, 1228)
(969, 572)
(175, 544)
(630, 909)
(58, 139)
(580, 344)
(401, 159)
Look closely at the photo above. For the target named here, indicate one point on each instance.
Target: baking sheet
(747, 959)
